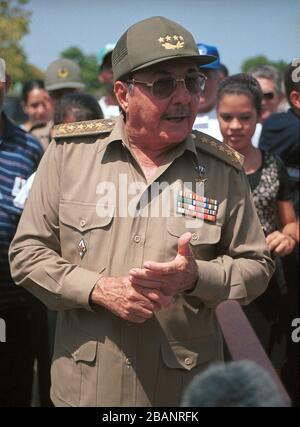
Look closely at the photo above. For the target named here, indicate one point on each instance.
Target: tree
(14, 25)
(88, 67)
(257, 61)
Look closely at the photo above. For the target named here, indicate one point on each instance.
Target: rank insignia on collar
(82, 248)
(192, 205)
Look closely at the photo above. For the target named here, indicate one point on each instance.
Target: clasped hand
(135, 297)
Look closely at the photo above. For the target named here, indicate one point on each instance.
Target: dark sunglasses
(268, 95)
(165, 86)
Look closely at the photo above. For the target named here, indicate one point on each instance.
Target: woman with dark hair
(239, 108)
(38, 106)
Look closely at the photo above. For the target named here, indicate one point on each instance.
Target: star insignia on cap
(63, 72)
(168, 42)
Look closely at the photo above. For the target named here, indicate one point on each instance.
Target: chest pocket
(85, 235)
(205, 235)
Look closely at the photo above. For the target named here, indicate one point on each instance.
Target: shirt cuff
(211, 285)
(77, 287)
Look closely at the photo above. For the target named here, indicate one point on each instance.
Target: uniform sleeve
(244, 265)
(35, 255)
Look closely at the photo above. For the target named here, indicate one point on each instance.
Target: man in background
(108, 102)
(63, 76)
(25, 317)
(270, 82)
(206, 120)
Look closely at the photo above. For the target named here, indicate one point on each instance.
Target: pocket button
(188, 361)
(82, 223)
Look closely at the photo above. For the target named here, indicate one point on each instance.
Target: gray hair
(267, 72)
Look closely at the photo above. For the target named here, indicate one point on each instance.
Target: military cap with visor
(62, 74)
(151, 41)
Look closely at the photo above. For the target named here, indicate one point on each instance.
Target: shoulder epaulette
(85, 128)
(218, 149)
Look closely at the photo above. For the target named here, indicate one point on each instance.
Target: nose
(41, 109)
(235, 124)
(181, 93)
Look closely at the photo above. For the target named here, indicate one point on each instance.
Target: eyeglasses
(268, 95)
(164, 87)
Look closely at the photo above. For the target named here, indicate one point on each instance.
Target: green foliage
(88, 66)
(14, 25)
(257, 61)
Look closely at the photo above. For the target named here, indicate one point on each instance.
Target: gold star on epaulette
(219, 149)
(89, 127)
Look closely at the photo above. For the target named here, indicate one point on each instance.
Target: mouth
(235, 137)
(175, 118)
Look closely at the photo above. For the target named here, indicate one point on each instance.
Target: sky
(239, 28)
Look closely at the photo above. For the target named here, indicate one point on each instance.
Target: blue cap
(109, 47)
(206, 49)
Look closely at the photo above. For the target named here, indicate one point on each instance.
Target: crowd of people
(121, 307)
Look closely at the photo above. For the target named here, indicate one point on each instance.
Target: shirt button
(188, 361)
(194, 236)
(82, 223)
(137, 238)
(128, 361)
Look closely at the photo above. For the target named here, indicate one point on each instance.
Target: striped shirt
(20, 154)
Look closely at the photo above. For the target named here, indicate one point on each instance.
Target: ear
(295, 99)
(121, 92)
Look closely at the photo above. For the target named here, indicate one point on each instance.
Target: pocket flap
(85, 217)
(188, 354)
(86, 352)
(204, 233)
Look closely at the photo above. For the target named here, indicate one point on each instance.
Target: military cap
(151, 41)
(2, 70)
(108, 48)
(63, 73)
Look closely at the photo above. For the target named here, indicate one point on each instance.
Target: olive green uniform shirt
(43, 134)
(70, 235)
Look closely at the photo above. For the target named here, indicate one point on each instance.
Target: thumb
(184, 245)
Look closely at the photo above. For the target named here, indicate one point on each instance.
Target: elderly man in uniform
(135, 283)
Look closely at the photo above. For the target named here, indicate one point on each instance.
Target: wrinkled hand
(280, 244)
(171, 277)
(133, 303)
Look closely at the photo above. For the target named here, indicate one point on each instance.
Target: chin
(175, 137)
